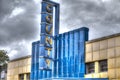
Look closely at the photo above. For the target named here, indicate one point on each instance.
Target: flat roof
(20, 58)
(103, 38)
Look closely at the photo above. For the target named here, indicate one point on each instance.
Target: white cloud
(37, 1)
(12, 53)
(16, 12)
(18, 50)
(56, 1)
(106, 0)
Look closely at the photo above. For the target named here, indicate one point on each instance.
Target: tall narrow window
(103, 66)
(21, 77)
(90, 68)
(28, 76)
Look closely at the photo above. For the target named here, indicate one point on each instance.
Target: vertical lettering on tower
(46, 35)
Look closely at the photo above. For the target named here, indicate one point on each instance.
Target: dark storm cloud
(100, 16)
(19, 29)
(19, 26)
(5, 8)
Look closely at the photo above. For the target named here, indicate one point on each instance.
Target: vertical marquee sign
(49, 13)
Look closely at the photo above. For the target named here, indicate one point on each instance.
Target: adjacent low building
(103, 58)
(19, 69)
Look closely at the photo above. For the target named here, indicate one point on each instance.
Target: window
(103, 66)
(90, 68)
(28, 76)
(21, 77)
(24, 76)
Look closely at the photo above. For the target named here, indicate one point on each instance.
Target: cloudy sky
(20, 19)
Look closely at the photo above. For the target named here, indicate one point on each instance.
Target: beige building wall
(106, 48)
(19, 68)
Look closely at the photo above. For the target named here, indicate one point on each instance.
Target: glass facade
(68, 56)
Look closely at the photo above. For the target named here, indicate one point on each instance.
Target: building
(67, 56)
(68, 59)
(19, 69)
(103, 57)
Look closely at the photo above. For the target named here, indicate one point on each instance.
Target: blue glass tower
(69, 53)
(58, 56)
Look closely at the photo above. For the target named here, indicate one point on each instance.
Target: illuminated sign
(47, 29)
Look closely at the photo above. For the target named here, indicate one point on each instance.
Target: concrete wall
(104, 48)
(17, 67)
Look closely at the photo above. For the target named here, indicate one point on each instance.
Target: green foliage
(3, 57)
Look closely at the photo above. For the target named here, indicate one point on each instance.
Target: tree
(3, 59)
